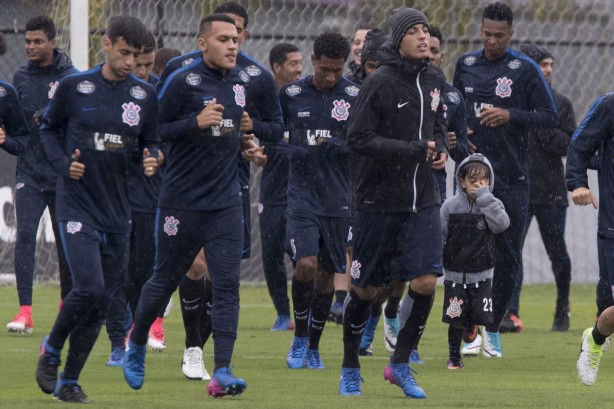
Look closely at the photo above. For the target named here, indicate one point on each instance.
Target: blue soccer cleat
(117, 357)
(134, 365)
(298, 352)
(283, 323)
(313, 360)
(225, 383)
(349, 383)
(414, 357)
(400, 375)
(368, 335)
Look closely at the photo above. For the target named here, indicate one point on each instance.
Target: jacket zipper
(419, 137)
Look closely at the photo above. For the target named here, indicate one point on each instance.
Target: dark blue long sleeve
(13, 121)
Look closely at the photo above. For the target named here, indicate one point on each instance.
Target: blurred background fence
(579, 33)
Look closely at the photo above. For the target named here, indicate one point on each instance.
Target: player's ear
(202, 44)
(106, 43)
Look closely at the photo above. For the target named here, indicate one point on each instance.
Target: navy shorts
(467, 303)
(308, 235)
(399, 246)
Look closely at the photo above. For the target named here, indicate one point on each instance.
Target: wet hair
(473, 169)
(436, 32)
(233, 7)
(163, 56)
(498, 12)
(332, 45)
(207, 22)
(43, 23)
(131, 29)
(150, 43)
(279, 53)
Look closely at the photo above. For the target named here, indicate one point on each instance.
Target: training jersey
(514, 82)
(274, 177)
(105, 120)
(35, 86)
(201, 168)
(456, 120)
(317, 122)
(13, 121)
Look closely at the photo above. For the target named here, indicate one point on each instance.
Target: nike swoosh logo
(190, 301)
(399, 105)
(84, 109)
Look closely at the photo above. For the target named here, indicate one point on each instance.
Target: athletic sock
(392, 307)
(375, 310)
(320, 306)
(455, 336)
(598, 336)
(205, 316)
(355, 319)
(340, 296)
(302, 293)
(414, 313)
(191, 295)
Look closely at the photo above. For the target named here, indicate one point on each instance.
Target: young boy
(469, 221)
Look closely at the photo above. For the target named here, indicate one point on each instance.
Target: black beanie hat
(535, 53)
(373, 41)
(403, 19)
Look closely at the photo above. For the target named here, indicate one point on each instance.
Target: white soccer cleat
(492, 344)
(589, 358)
(391, 331)
(169, 307)
(473, 348)
(192, 364)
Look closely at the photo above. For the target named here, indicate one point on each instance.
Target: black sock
(302, 293)
(375, 310)
(205, 316)
(320, 306)
(355, 318)
(414, 313)
(455, 336)
(340, 296)
(191, 296)
(392, 307)
(598, 336)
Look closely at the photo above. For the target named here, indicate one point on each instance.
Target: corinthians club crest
(504, 87)
(454, 309)
(340, 110)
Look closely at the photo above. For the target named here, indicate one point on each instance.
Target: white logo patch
(355, 270)
(86, 87)
(514, 64)
(52, 87)
(138, 92)
(350, 234)
(352, 90)
(469, 60)
(253, 71)
(504, 87)
(239, 94)
(293, 90)
(107, 141)
(340, 110)
(454, 98)
(170, 225)
(293, 247)
(187, 61)
(243, 75)
(478, 109)
(436, 95)
(193, 79)
(2, 91)
(131, 113)
(73, 227)
(454, 309)
(19, 186)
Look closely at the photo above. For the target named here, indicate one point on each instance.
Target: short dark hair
(279, 53)
(163, 56)
(332, 45)
(473, 168)
(43, 23)
(436, 32)
(207, 22)
(499, 12)
(149, 46)
(363, 25)
(131, 29)
(233, 7)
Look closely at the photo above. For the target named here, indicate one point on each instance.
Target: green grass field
(537, 371)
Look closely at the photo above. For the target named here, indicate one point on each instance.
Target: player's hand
(247, 125)
(494, 117)
(211, 115)
(2, 136)
(430, 150)
(452, 140)
(76, 169)
(470, 145)
(256, 155)
(246, 141)
(582, 197)
(439, 161)
(150, 163)
(37, 119)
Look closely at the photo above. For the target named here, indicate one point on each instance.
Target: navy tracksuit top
(317, 122)
(35, 86)
(201, 168)
(105, 120)
(13, 121)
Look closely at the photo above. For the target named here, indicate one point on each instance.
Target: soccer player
(36, 178)
(163, 56)
(201, 107)
(286, 63)
(14, 134)
(89, 132)
(316, 111)
(506, 95)
(397, 128)
(595, 134)
(361, 28)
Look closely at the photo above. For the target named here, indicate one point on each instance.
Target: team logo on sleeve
(352, 90)
(355, 270)
(514, 64)
(454, 309)
(170, 225)
(436, 98)
(73, 227)
(187, 61)
(244, 76)
(86, 87)
(469, 61)
(253, 71)
(504, 87)
(2, 91)
(454, 98)
(19, 186)
(293, 90)
(193, 79)
(138, 92)
(340, 110)
(239, 94)
(131, 114)
(52, 87)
